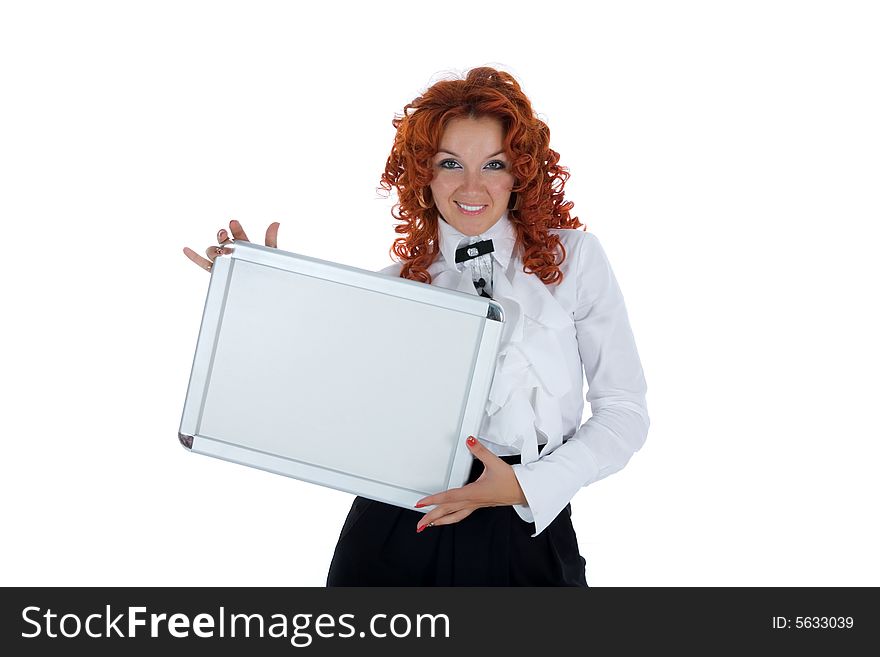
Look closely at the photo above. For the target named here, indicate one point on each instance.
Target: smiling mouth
(470, 209)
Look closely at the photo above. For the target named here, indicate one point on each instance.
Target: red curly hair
(540, 181)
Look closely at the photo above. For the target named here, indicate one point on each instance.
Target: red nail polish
(420, 529)
(420, 505)
(471, 441)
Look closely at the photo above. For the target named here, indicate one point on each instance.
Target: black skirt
(379, 546)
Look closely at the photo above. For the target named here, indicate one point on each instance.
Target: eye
(449, 164)
(499, 163)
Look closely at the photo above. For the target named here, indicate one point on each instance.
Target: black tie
(469, 252)
(481, 285)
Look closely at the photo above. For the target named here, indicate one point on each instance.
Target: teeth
(470, 208)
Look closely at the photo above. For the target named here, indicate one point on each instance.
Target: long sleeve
(619, 423)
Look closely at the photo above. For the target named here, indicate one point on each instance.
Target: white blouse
(553, 335)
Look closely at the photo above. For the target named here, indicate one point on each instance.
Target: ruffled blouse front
(531, 375)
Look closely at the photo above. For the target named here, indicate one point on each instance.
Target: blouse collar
(502, 233)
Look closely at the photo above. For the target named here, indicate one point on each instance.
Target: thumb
(477, 448)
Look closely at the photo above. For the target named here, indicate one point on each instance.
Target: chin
(470, 224)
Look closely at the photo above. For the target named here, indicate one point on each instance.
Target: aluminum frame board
(339, 376)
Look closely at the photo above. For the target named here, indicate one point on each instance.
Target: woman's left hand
(497, 486)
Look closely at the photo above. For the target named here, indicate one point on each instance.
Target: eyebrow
(501, 152)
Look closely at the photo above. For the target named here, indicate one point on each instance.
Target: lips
(470, 209)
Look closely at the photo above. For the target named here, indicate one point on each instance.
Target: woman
(482, 210)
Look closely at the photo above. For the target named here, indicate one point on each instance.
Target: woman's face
(472, 179)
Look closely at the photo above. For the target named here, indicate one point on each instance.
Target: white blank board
(339, 376)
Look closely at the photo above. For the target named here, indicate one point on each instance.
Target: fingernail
(471, 441)
(420, 529)
(420, 505)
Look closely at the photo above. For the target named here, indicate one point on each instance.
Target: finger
(434, 515)
(272, 234)
(431, 499)
(196, 258)
(215, 251)
(237, 231)
(448, 519)
(223, 236)
(451, 496)
(480, 451)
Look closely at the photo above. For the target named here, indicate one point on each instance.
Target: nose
(472, 187)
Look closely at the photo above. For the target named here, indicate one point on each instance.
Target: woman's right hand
(223, 238)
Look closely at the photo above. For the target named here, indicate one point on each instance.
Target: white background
(724, 153)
